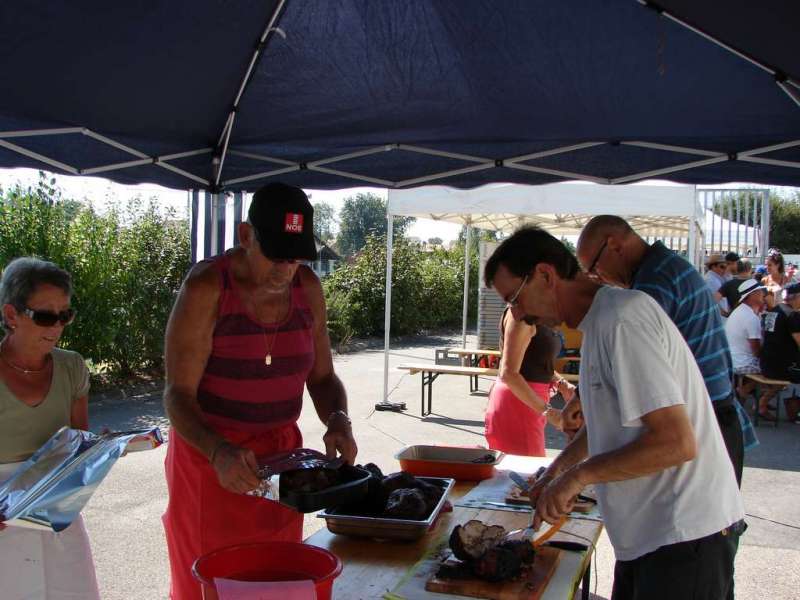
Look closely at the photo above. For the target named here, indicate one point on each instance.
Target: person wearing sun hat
(743, 329)
(247, 335)
(717, 268)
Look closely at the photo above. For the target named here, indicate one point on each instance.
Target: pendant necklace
(268, 355)
(269, 346)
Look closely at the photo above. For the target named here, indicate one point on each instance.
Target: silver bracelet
(338, 413)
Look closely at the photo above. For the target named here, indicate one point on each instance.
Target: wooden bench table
(474, 355)
(372, 567)
(431, 371)
(761, 380)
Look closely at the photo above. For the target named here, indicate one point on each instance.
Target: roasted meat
(406, 503)
(400, 480)
(497, 564)
(486, 553)
(309, 480)
(374, 470)
(522, 548)
(472, 539)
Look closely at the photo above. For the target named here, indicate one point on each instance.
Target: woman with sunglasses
(42, 388)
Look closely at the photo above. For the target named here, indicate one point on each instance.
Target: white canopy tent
(653, 210)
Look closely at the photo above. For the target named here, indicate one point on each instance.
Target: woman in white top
(42, 388)
(776, 278)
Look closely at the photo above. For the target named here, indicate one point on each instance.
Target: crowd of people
(759, 305)
(654, 423)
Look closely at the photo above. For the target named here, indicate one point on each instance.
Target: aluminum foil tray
(386, 528)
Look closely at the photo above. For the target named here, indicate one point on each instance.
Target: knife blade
(520, 481)
(519, 507)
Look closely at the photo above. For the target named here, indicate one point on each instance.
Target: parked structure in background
(326, 259)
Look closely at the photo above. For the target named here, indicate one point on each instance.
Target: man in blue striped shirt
(609, 250)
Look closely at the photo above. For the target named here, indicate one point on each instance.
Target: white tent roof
(561, 208)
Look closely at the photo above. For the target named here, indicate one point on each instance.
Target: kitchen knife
(520, 481)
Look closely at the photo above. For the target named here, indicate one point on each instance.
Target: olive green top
(24, 429)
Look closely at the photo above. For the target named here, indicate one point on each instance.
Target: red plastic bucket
(268, 561)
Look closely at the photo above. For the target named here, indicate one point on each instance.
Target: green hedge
(427, 290)
(127, 265)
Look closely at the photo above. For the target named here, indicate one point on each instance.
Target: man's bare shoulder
(309, 280)
(202, 281)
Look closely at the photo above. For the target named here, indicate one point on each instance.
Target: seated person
(732, 260)
(730, 289)
(743, 329)
(715, 275)
(780, 355)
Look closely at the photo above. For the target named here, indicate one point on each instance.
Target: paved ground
(123, 517)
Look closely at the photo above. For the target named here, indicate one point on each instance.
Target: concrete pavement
(124, 515)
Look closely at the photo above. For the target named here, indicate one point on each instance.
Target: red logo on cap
(294, 223)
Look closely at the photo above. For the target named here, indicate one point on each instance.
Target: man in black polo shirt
(780, 354)
(730, 289)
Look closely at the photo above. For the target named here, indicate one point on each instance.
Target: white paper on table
(230, 589)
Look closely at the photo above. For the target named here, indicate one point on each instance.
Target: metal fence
(736, 220)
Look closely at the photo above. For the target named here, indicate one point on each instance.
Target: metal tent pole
(384, 404)
(466, 286)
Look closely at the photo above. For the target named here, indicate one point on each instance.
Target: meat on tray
(484, 552)
(399, 496)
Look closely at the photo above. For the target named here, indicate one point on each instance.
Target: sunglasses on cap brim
(46, 318)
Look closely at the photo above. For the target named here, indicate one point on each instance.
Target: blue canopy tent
(334, 93)
(224, 96)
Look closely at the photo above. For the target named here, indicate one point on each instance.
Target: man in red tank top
(247, 334)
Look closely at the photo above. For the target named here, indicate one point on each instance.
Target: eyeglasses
(45, 318)
(513, 300)
(590, 270)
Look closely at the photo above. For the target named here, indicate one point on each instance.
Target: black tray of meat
(309, 490)
(397, 507)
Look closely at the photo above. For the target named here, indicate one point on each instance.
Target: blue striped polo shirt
(683, 294)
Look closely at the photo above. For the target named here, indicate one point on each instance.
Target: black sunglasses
(590, 270)
(45, 318)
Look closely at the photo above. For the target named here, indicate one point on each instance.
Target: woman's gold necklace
(22, 369)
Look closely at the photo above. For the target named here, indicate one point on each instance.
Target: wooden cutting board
(530, 586)
(517, 496)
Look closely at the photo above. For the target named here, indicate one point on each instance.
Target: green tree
(784, 230)
(427, 290)
(364, 215)
(324, 221)
(126, 264)
(435, 241)
(784, 221)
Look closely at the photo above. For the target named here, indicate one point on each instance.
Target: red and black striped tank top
(238, 390)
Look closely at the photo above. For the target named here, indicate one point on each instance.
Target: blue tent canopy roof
(453, 92)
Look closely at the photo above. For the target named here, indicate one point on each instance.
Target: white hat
(748, 287)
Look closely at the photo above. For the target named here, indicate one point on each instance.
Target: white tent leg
(466, 287)
(384, 404)
(691, 253)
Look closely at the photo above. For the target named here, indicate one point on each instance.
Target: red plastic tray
(457, 462)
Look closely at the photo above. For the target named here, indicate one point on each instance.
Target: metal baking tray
(386, 528)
